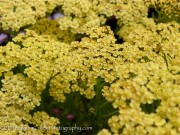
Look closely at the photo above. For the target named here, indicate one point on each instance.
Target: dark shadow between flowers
(112, 22)
(150, 108)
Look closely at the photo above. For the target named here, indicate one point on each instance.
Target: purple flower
(70, 116)
(3, 37)
(55, 16)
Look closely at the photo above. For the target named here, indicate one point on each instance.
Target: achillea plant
(80, 70)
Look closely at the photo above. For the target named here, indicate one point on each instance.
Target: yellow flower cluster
(15, 14)
(39, 54)
(73, 67)
(81, 15)
(22, 91)
(51, 29)
(9, 57)
(131, 11)
(148, 74)
(18, 96)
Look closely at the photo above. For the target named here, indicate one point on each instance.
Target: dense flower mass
(135, 67)
(18, 13)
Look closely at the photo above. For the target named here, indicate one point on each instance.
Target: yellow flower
(104, 132)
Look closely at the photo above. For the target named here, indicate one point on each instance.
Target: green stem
(98, 88)
(98, 99)
(104, 104)
(110, 114)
